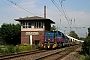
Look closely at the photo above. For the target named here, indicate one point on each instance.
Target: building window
(36, 42)
(26, 25)
(29, 25)
(39, 25)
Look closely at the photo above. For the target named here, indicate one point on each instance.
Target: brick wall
(26, 39)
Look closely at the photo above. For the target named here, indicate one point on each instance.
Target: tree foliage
(53, 28)
(86, 44)
(10, 33)
(89, 31)
(73, 34)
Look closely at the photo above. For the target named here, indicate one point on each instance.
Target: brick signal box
(33, 28)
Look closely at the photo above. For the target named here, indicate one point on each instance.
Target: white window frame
(26, 25)
(38, 24)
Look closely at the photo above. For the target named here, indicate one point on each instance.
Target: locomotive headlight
(48, 38)
(42, 45)
(54, 46)
(48, 46)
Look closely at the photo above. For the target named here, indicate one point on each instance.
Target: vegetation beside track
(9, 49)
(85, 53)
(84, 57)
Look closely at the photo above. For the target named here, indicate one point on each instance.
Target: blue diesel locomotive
(54, 39)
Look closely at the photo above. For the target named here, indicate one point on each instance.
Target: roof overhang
(35, 18)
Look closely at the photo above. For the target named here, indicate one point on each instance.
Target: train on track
(56, 39)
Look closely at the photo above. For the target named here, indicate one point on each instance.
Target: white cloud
(29, 4)
(82, 18)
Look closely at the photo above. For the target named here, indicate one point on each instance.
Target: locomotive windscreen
(49, 37)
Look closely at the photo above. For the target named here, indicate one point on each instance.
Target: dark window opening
(36, 42)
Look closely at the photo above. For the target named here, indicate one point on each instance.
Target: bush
(10, 49)
(84, 57)
(15, 49)
(86, 45)
(27, 47)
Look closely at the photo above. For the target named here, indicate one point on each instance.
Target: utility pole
(70, 25)
(60, 22)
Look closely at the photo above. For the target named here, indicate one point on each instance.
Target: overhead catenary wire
(64, 11)
(4, 11)
(60, 10)
(25, 9)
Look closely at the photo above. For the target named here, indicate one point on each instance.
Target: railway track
(38, 55)
(56, 55)
(10, 56)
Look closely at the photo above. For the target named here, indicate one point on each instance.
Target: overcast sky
(78, 10)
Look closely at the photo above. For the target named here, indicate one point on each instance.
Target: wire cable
(60, 11)
(65, 13)
(25, 9)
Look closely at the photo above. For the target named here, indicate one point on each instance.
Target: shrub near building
(9, 49)
(11, 33)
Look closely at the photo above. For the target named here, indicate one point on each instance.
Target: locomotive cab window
(71, 40)
(63, 35)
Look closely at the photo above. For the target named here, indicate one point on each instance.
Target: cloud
(28, 4)
(28, 8)
(81, 18)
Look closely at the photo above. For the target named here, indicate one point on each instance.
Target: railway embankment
(66, 53)
(73, 55)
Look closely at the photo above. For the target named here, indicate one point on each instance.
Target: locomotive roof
(56, 31)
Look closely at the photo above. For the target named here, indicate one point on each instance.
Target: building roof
(34, 18)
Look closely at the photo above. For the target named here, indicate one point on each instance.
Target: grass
(84, 57)
(9, 49)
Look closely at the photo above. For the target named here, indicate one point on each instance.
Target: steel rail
(60, 53)
(9, 56)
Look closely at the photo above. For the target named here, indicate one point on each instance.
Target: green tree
(89, 31)
(10, 33)
(73, 34)
(86, 44)
(53, 28)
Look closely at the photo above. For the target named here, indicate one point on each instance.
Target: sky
(77, 12)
